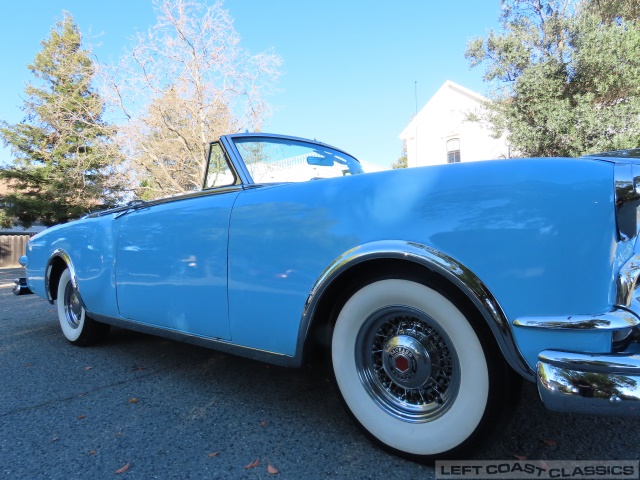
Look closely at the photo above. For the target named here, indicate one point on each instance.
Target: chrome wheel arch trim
(59, 253)
(462, 277)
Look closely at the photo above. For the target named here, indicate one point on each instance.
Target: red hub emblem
(401, 363)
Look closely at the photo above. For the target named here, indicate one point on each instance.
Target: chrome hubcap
(407, 363)
(72, 306)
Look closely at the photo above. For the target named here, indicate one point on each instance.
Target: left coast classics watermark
(530, 469)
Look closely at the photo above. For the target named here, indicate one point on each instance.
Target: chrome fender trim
(60, 253)
(437, 261)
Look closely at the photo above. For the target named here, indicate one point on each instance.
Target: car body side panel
(539, 233)
(172, 265)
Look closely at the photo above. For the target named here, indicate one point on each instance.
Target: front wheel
(413, 371)
(77, 326)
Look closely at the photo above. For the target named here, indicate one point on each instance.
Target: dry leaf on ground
(123, 469)
(549, 442)
(133, 400)
(213, 454)
(253, 464)
(272, 470)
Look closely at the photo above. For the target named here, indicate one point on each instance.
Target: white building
(440, 132)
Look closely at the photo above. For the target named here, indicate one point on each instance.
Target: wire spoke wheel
(414, 371)
(407, 363)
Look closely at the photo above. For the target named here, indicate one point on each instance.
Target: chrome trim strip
(72, 271)
(159, 201)
(436, 261)
(213, 343)
(602, 384)
(626, 281)
(616, 318)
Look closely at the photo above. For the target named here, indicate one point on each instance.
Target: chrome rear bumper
(601, 384)
(21, 287)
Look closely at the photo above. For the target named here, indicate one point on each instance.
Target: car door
(171, 266)
(171, 261)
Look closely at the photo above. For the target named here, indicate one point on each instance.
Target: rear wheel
(76, 325)
(414, 372)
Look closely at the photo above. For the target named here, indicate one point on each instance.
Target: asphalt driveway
(171, 410)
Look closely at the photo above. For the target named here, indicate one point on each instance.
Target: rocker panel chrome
(213, 343)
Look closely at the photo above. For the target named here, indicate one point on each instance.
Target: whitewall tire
(411, 368)
(77, 327)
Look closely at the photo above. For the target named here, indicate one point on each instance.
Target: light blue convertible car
(432, 290)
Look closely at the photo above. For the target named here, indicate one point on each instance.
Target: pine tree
(64, 161)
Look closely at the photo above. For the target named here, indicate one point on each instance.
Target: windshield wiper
(132, 206)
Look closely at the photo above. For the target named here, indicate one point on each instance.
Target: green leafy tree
(564, 75)
(64, 162)
(613, 10)
(402, 159)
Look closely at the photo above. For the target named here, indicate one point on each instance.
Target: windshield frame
(229, 142)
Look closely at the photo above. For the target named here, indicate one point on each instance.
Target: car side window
(219, 174)
(283, 160)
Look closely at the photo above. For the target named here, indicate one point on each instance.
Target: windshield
(285, 160)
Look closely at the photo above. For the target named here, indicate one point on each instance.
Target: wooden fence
(12, 247)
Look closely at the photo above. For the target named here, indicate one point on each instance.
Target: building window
(453, 150)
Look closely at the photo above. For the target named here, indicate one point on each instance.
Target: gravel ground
(172, 410)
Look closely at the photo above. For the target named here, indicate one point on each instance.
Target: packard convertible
(432, 290)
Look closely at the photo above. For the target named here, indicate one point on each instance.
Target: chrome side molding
(613, 320)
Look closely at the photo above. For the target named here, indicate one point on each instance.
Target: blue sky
(349, 66)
